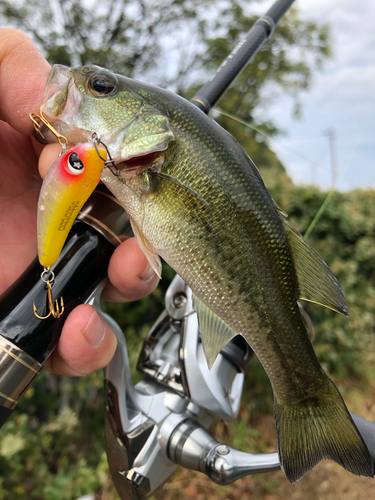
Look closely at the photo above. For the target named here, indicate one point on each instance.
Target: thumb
(86, 345)
(24, 73)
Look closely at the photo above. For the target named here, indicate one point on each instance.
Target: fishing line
(256, 129)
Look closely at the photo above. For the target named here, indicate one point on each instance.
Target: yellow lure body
(66, 187)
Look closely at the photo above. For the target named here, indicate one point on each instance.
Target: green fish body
(196, 199)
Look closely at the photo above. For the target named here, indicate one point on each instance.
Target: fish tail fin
(319, 428)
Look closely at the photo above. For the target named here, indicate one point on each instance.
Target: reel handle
(193, 447)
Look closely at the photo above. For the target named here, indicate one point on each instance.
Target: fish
(197, 200)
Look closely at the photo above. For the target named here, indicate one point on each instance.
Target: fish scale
(201, 204)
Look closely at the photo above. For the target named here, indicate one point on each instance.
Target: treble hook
(54, 310)
(63, 141)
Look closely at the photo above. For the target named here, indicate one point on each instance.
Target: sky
(341, 98)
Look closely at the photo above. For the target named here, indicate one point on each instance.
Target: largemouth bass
(196, 199)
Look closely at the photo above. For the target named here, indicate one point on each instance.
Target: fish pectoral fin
(214, 331)
(316, 281)
(183, 186)
(146, 247)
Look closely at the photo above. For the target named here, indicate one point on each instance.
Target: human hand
(86, 343)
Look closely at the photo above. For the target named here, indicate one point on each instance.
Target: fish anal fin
(316, 281)
(152, 257)
(311, 431)
(214, 331)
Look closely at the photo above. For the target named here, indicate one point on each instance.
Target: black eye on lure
(75, 164)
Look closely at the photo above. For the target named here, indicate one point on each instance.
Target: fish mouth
(60, 104)
(137, 164)
(58, 78)
(57, 91)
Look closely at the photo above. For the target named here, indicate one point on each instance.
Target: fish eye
(102, 84)
(74, 164)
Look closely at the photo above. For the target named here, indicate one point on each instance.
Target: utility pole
(314, 175)
(333, 155)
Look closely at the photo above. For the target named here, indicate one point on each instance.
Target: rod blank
(233, 65)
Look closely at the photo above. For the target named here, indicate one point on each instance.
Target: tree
(125, 36)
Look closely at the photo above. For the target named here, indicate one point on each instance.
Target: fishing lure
(66, 187)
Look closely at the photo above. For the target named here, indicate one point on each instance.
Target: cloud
(342, 97)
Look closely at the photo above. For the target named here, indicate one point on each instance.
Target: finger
(130, 275)
(48, 155)
(86, 345)
(24, 73)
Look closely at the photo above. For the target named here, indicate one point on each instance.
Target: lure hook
(63, 141)
(107, 163)
(54, 308)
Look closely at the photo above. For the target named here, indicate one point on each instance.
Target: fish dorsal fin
(280, 210)
(214, 331)
(316, 281)
(152, 257)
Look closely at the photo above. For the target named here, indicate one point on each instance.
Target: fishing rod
(239, 58)
(163, 421)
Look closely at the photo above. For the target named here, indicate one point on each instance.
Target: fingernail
(94, 331)
(147, 274)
